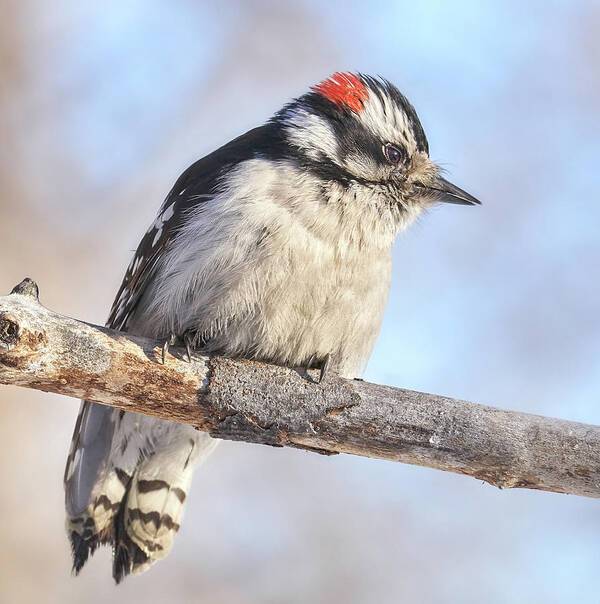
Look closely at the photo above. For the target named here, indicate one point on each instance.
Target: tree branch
(278, 406)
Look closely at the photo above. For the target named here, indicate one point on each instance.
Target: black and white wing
(194, 187)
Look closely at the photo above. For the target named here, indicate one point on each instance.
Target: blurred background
(103, 105)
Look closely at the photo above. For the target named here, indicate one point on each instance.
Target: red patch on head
(345, 90)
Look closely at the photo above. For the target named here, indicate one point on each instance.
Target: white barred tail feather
(128, 487)
(152, 515)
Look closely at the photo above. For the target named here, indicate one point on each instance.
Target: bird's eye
(392, 154)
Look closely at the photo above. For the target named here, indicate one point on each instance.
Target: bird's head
(361, 132)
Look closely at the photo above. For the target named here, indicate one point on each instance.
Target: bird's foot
(325, 363)
(187, 340)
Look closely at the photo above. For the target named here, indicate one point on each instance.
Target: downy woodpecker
(275, 247)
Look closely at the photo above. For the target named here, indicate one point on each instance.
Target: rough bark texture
(278, 406)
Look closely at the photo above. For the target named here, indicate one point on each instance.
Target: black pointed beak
(445, 192)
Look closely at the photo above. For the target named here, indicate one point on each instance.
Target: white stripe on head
(382, 116)
(310, 133)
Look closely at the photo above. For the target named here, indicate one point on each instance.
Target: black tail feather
(121, 562)
(126, 554)
(82, 546)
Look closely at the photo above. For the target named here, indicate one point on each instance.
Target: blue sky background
(103, 106)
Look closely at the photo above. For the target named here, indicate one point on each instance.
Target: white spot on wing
(137, 263)
(123, 294)
(122, 303)
(160, 220)
(168, 213)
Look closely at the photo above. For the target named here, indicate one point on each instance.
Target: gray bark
(279, 406)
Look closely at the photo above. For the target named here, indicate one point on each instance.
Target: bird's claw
(324, 365)
(165, 347)
(187, 340)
